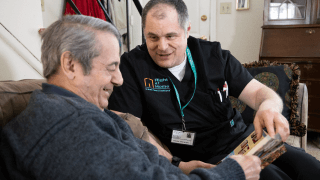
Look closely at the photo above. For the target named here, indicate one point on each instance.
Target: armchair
(302, 109)
(284, 80)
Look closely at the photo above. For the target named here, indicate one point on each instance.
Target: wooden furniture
(298, 44)
(289, 12)
(315, 12)
(318, 12)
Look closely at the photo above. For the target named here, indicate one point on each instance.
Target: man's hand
(187, 167)
(270, 118)
(269, 107)
(250, 164)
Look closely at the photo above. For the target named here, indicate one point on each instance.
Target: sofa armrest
(14, 97)
(302, 106)
(140, 131)
(302, 109)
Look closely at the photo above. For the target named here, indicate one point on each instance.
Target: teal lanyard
(193, 67)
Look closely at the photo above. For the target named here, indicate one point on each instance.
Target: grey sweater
(62, 136)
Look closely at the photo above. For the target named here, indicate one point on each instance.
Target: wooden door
(200, 18)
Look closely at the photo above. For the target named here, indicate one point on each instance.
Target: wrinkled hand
(250, 164)
(187, 167)
(273, 120)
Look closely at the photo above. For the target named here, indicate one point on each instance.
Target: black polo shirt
(147, 92)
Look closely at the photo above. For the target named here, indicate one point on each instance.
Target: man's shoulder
(138, 59)
(51, 108)
(140, 48)
(203, 44)
(56, 102)
(138, 52)
(55, 107)
(210, 51)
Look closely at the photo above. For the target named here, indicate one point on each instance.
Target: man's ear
(188, 30)
(68, 65)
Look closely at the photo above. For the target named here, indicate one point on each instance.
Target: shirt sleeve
(236, 75)
(127, 98)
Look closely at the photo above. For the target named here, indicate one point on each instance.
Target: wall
(19, 39)
(240, 31)
(20, 59)
(53, 10)
(135, 24)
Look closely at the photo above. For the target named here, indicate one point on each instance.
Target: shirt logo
(232, 123)
(158, 84)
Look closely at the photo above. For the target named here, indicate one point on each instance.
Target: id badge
(183, 137)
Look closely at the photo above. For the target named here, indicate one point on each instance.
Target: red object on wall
(86, 7)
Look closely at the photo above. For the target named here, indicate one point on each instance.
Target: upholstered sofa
(14, 97)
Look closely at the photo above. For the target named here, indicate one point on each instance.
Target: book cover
(267, 148)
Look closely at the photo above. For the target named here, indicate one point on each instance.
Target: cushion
(14, 97)
(139, 130)
(284, 80)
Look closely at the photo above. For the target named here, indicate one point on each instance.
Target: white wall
(135, 24)
(20, 59)
(240, 31)
(53, 10)
(13, 66)
(19, 39)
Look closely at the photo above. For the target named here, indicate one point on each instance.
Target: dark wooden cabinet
(298, 44)
(317, 12)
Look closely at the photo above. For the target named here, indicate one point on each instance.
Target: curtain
(86, 7)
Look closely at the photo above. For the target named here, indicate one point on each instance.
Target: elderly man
(66, 133)
(179, 86)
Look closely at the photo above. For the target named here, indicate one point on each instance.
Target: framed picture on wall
(242, 4)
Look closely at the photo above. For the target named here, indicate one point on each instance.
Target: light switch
(225, 8)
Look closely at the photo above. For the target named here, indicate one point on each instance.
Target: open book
(267, 148)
